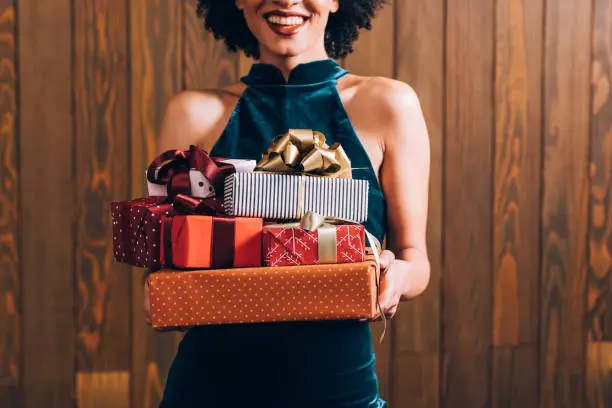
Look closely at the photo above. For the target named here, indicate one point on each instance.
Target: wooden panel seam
(11, 362)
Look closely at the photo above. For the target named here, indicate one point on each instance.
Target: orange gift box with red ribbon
(200, 241)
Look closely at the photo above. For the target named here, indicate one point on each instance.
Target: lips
(285, 23)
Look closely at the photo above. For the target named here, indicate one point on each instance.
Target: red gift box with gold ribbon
(292, 245)
(314, 240)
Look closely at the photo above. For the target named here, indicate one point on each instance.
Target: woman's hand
(402, 278)
(146, 305)
(394, 282)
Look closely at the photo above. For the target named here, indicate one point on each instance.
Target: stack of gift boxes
(240, 241)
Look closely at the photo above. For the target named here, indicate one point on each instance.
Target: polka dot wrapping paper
(137, 230)
(180, 299)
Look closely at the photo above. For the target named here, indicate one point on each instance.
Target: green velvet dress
(294, 364)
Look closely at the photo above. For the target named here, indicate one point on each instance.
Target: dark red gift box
(137, 230)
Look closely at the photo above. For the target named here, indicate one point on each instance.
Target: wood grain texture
(373, 53)
(420, 63)
(599, 357)
(599, 375)
(47, 202)
(515, 381)
(156, 29)
(518, 84)
(10, 284)
(600, 232)
(565, 203)
(416, 380)
(102, 151)
(103, 389)
(156, 75)
(359, 62)
(207, 62)
(467, 239)
(516, 205)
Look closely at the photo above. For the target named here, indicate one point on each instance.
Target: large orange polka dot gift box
(263, 294)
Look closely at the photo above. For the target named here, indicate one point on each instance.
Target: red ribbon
(223, 231)
(174, 166)
(189, 205)
(223, 242)
(167, 239)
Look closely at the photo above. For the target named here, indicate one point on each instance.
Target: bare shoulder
(197, 117)
(387, 97)
(390, 107)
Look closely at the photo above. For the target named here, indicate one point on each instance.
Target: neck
(286, 63)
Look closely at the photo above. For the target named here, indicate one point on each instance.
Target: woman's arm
(404, 177)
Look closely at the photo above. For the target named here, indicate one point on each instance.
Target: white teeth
(287, 21)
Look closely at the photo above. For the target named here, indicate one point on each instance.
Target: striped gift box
(288, 197)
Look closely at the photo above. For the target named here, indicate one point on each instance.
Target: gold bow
(304, 151)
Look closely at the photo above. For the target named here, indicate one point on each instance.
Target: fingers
(392, 310)
(386, 260)
(389, 295)
(145, 275)
(147, 311)
(390, 305)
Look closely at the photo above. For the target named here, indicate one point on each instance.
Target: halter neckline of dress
(305, 74)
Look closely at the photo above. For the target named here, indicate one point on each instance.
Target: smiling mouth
(285, 25)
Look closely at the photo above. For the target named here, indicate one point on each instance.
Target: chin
(285, 47)
(285, 51)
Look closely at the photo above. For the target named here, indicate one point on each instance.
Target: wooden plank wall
(517, 95)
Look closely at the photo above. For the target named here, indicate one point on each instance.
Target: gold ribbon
(301, 195)
(303, 151)
(327, 236)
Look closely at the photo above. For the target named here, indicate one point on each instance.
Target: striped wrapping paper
(277, 196)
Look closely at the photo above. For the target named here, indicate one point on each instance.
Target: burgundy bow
(174, 166)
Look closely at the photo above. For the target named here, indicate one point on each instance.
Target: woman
(297, 84)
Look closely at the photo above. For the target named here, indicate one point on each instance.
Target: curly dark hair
(226, 22)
